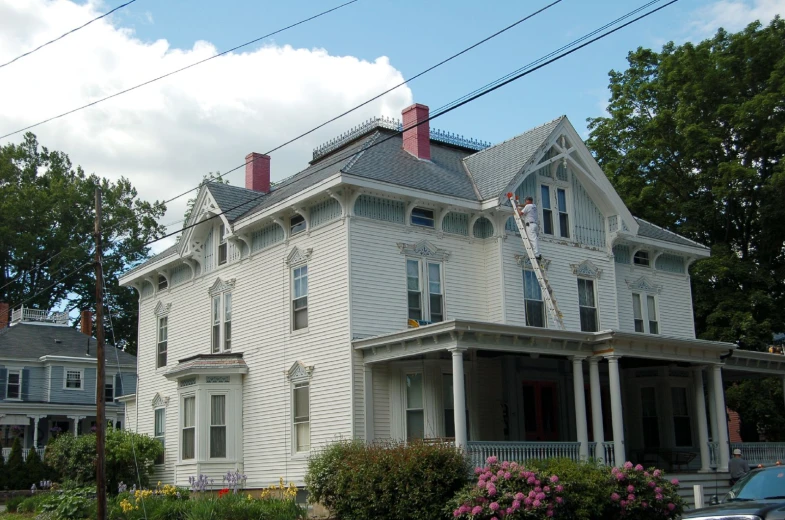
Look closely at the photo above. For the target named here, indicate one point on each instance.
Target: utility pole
(100, 419)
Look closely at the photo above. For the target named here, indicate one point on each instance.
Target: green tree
(694, 142)
(46, 234)
(761, 408)
(15, 467)
(35, 471)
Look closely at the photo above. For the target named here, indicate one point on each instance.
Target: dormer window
(162, 282)
(296, 224)
(422, 217)
(222, 246)
(641, 258)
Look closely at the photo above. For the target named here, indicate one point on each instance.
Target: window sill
(74, 389)
(300, 331)
(301, 455)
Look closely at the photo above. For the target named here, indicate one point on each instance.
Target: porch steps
(687, 480)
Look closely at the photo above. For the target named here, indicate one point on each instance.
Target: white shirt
(529, 214)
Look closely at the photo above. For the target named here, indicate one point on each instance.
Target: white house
(279, 321)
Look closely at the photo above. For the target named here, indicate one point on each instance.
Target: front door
(540, 410)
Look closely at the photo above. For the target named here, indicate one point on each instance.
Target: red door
(540, 410)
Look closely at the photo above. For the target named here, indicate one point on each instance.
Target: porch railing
(714, 453)
(25, 451)
(479, 451)
(760, 452)
(610, 453)
(26, 314)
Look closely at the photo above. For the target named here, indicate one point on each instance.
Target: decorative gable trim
(524, 262)
(162, 310)
(159, 401)
(643, 284)
(299, 373)
(424, 249)
(297, 256)
(221, 286)
(586, 269)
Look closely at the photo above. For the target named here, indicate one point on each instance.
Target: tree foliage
(694, 142)
(761, 408)
(47, 208)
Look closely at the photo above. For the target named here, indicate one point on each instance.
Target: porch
(534, 393)
(34, 430)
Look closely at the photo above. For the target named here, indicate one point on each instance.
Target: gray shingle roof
(169, 251)
(28, 341)
(209, 362)
(649, 230)
(233, 200)
(493, 168)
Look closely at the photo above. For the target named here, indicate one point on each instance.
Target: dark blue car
(759, 495)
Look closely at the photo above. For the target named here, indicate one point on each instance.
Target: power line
(28, 53)
(451, 106)
(86, 264)
(178, 70)
(374, 98)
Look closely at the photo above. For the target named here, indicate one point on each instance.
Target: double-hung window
(189, 428)
(14, 385)
(159, 431)
(547, 211)
(415, 412)
(644, 312)
(222, 247)
(587, 305)
(300, 297)
(421, 274)
(221, 323)
(73, 379)
(532, 296)
(650, 422)
(682, 427)
(301, 416)
(163, 334)
(564, 218)
(109, 389)
(218, 426)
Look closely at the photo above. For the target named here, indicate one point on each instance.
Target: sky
(164, 137)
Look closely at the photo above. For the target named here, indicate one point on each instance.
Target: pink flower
(508, 475)
(658, 497)
(494, 506)
(527, 501)
(516, 504)
(554, 479)
(645, 473)
(540, 496)
(549, 513)
(478, 470)
(530, 480)
(536, 482)
(491, 490)
(675, 482)
(657, 473)
(505, 465)
(494, 478)
(652, 484)
(628, 465)
(620, 476)
(638, 467)
(493, 459)
(645, 504)
(456, 513)
(658, 490)
(536, 503)
(559, 488)
(671, 506)
(481, 484)
(559, 500)
(630, 488)
(519, 496)
(615, 497)
(547, 489)
(630, 497)
(623, 503)
(477, 510)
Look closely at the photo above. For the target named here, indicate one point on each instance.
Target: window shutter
(25, 384)
(3, 378)
(118, 385)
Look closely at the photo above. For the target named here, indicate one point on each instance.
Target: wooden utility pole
(100, 414)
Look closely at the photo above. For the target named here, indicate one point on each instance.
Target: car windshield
(759, 485)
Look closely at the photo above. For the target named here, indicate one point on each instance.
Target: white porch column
(35, 419)
(712, 409)
(700, 413)
(76, 419)
(596, 408)
(369, 420)
(783, 385)
(720, 415)
(617, 417)
(580, 407)
(459, 397)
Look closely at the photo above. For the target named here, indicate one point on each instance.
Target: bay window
(189, 428)
(217, 426)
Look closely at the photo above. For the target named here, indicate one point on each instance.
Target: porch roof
(756, 362)
(465, 334)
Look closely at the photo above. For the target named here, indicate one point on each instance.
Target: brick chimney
(86, 323)
(416, 140)
(257, 172)
(5, 317)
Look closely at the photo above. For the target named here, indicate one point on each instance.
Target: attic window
(162, 282)
(296, 224)
(222, 245)
(641, 258)
(422, 217)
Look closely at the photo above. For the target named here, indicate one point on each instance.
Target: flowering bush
(509, 490)
(642, 494)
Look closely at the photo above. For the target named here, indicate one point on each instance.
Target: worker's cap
(737, 451)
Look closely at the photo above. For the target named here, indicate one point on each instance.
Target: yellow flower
(250, 497)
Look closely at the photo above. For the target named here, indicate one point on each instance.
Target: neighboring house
(48, 377)
(278, 322)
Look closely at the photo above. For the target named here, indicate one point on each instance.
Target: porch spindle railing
(610, 453)
(765, 453)
(25, 451)
(714, 450)
(479, 451)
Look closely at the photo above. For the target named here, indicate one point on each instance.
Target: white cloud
(165, 136)
(734, 15)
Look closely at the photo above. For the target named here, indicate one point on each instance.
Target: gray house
(48, 378)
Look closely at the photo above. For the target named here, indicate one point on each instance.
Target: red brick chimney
(86, 323)
(5, 317)
(257, 172)
(416, 139)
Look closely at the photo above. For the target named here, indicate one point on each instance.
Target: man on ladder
(532, 222)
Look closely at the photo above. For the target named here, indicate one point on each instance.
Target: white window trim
(554, 185)
(156, 437)
(645, 312)
(295, 386)
(306, 296)
(405, 404)
(596, 301)
(81, 379)
(181, 427)
(227, 439)
(425, 286)
(221, 242)
(8, 379)
(649, 257)
(434, 214)
(158, 341)
(544, 308)
(300, 374)
(219, 290)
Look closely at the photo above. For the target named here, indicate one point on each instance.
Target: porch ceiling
(463, 334)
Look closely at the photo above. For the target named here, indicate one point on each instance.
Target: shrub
(32, 504)
(12, 504)
(644, 494)
(34, 471)
(585, 486)
(74, 458)
(15, 467)
(75, 504)
(385, 481)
